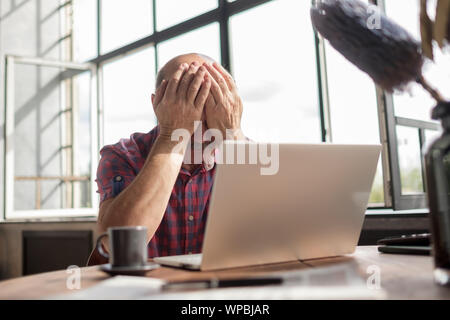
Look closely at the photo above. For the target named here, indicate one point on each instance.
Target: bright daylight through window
(290, 81)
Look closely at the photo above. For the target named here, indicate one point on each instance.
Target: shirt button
(191, 218)
(118, 178)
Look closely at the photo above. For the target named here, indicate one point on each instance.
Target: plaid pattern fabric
(182, 228)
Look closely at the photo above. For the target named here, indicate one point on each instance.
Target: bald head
(171, 66)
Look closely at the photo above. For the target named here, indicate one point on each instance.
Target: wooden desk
(402, 276)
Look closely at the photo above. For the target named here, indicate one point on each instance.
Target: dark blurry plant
(385, 51)
(437, 30)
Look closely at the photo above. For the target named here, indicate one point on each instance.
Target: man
(143, 180)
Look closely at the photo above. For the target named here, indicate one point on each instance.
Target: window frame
(400, 202)
(9, 212)
(404, 201)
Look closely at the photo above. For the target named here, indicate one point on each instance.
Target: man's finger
(203, 93)
(210, 102)
(217, 77)
(159, 94)
(175, 80)
(215, 90)
(196, 84)
(186, 80)
(228, 78)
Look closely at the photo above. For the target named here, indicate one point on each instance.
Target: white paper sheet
(276, 293)
(342, 281)
(116, 288)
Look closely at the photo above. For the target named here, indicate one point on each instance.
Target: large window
(127, 87)
(295, 88)
(274, 67)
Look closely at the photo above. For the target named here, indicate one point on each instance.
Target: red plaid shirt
(182, 228)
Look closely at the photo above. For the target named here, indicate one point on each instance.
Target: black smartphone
(422, 239)
(417, 250)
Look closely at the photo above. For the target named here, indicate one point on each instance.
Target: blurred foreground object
(393, 58)
(374, 43)
(437, 166)
(438, 30)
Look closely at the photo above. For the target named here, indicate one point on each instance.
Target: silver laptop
(312, 206)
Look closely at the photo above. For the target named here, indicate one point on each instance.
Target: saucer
(130, 271)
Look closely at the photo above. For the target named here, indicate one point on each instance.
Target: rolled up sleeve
(114, 173)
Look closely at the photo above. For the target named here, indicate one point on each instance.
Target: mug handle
(100, 247)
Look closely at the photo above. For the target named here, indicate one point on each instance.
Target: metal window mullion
(50, 63)
(9, 136)
(387, 187)
(74, 141)
(3, 107)
(419, 124)
(224, 35)
(394, 164)
(422, 157)
(155, 27)
(399, 200)
(62, 96)
(100, 106)
(384, 136)
(324, 100)
(99, 27)
(95, 131)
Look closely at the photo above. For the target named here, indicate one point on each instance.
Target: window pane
(275, 70)
(204, 40)
(353, 111)
(123, 22)
(418, 103)
(127, 87)
(82, 143)
(52, 139)
(410, 160)
(172, 12)
(84, 30)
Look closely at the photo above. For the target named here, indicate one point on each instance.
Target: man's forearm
(145, 200)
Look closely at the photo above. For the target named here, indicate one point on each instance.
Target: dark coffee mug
(127, 246)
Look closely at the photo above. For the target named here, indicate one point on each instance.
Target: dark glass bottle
(437, 163)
